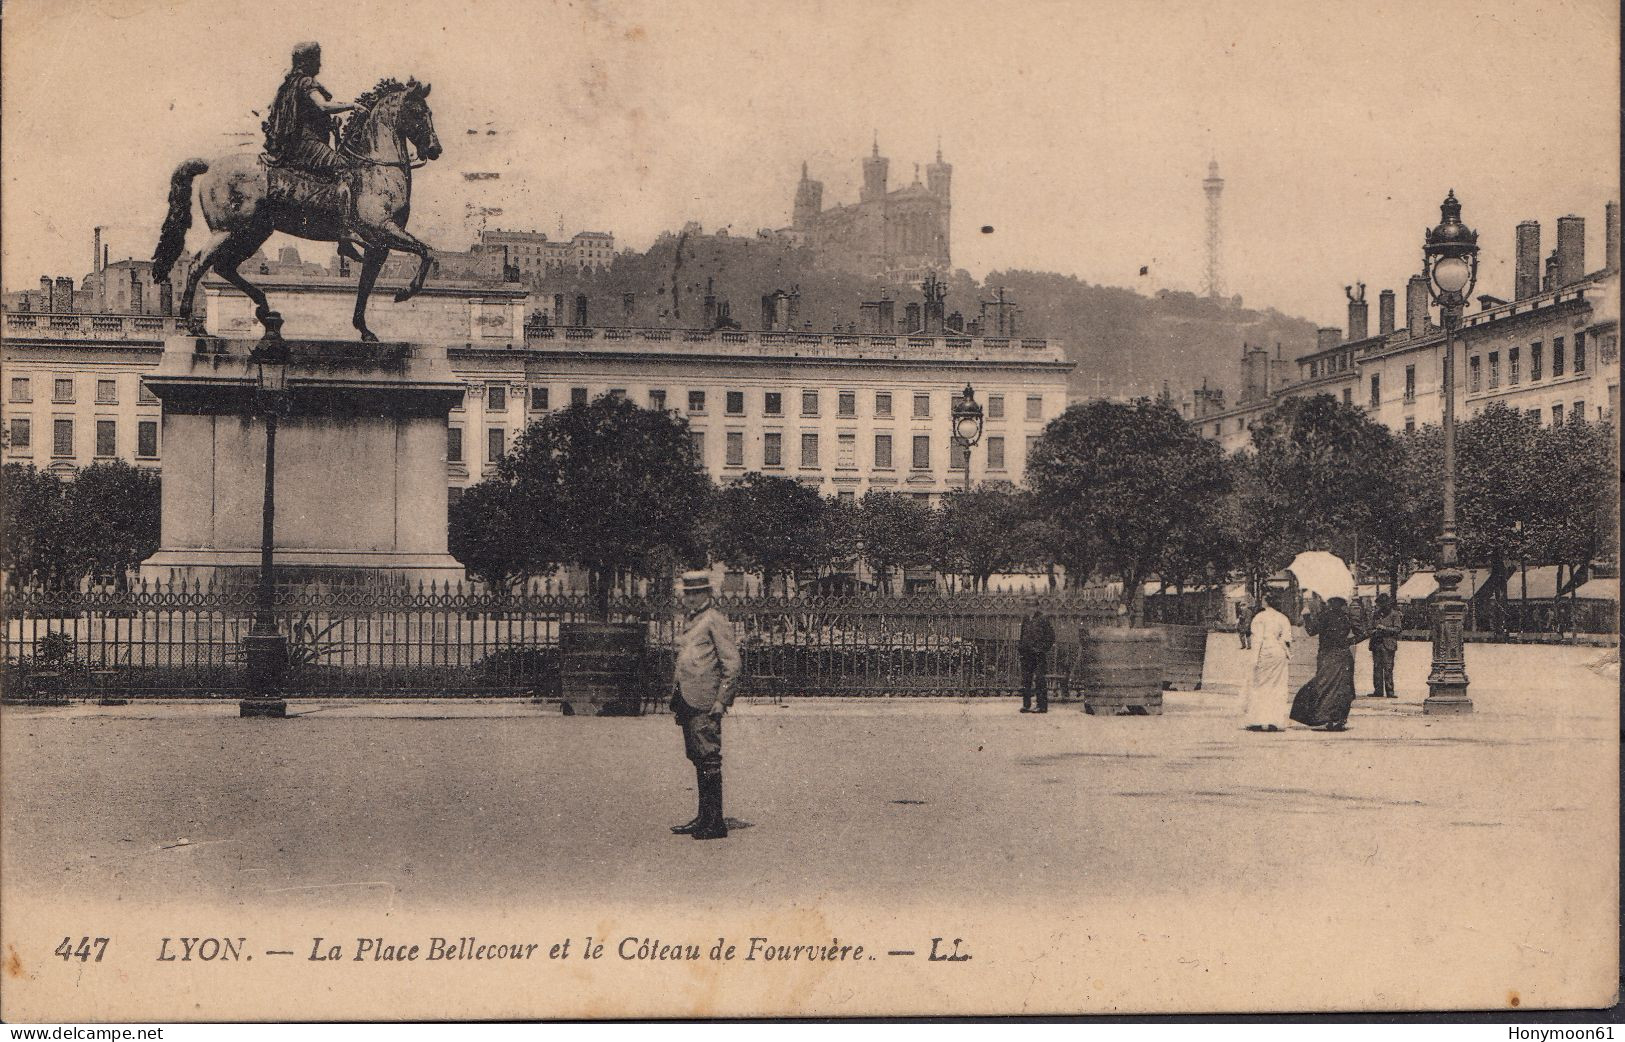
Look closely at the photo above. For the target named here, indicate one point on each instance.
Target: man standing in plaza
(707, 667)
(1384, 645)
(1032, 648)
(1245, 611)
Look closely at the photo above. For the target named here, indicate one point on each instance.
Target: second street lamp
(265, 649)
(1450, 262)
(967, 417)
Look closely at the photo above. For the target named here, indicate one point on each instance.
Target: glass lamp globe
(966, 426)
(1451, 274)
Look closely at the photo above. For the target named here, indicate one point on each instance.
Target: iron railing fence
(1551, 619)
(184, 639)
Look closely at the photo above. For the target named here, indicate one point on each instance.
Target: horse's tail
(172, 239)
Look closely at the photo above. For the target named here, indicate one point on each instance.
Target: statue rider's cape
(281, 125)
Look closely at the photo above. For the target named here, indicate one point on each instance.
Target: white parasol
(1323, 573)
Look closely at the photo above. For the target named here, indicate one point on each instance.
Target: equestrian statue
(360, 192)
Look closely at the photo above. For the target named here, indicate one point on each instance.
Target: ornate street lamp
(265, 649)
(967, 415)
(1450, 262)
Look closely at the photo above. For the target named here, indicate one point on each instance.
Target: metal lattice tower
(1213, 185)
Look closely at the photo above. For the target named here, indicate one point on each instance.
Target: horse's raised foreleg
(393, 236)
(371, 264)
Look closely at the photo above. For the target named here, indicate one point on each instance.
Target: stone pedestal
(360, 463)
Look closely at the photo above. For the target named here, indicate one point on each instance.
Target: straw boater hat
(696, 582)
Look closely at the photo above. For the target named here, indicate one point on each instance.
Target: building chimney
(793, 308)
(1526, 270)
(1327, 337)
(1416, 305)
(45, 293)
(64, 293)
(911, 317)
(1359, 315)
(888, 316)
(96, 253)
(1610, 235)
(135, 293)
(1385, 312)
(1551, 272)
(166, 299)
(1571, 250)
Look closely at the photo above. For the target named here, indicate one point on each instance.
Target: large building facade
(899, 234)
(533, 255)
(841, 412)
(1552, 351)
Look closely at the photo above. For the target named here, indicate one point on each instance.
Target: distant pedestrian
(1384, 645)
(1032, 648)
(707, 667)
(1271, 639)
(1325, 700)
(1245, 612)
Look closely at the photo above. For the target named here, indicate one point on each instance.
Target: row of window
(846, 443)
(63, 390)
(846, 402)
(1514, 370)
(146, 437)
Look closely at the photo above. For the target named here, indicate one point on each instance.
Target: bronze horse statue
(244, 200)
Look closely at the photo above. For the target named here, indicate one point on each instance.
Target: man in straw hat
(707, 667)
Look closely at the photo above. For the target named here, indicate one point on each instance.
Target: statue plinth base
(360, 471)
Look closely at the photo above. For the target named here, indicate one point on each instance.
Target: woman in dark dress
(1325, 700)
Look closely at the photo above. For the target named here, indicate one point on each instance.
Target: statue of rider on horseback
(300, 125)
(359, 192)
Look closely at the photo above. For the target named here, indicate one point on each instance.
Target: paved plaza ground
(1372, 859)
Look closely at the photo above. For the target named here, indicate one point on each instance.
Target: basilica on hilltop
(900, 234)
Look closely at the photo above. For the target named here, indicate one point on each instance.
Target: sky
(1079, 131)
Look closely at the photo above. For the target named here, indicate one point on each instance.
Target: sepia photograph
(572, 509)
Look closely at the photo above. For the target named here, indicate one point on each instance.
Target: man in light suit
(707, 669)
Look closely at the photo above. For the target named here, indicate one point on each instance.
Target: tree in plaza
(775, 526)
(1524, 493)
(1204, 548)
(606, 485)
(112, 513)
(1318, 477)
(1117, 478)
(980, 531)
(33, 530)
(894, 532)
(1577, 464)
(1406, 530)
(483, 526)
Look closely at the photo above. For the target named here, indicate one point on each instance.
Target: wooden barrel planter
(1120, 672)
(602, 667)
(1184, 654)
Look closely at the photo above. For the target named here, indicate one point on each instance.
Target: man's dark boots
(694, 823)
(712, 825)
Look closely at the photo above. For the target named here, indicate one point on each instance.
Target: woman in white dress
(1268, 699)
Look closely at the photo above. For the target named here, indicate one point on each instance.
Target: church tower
(939, 176)
(809, 201)
(874, 174)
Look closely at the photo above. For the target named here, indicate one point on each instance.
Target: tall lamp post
(967, 415)
(265, 649)
(1450, 262)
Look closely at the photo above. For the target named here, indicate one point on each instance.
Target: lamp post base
(1447, 699)
(266, 655)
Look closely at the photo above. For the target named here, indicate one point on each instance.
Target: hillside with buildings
(1123, 342)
